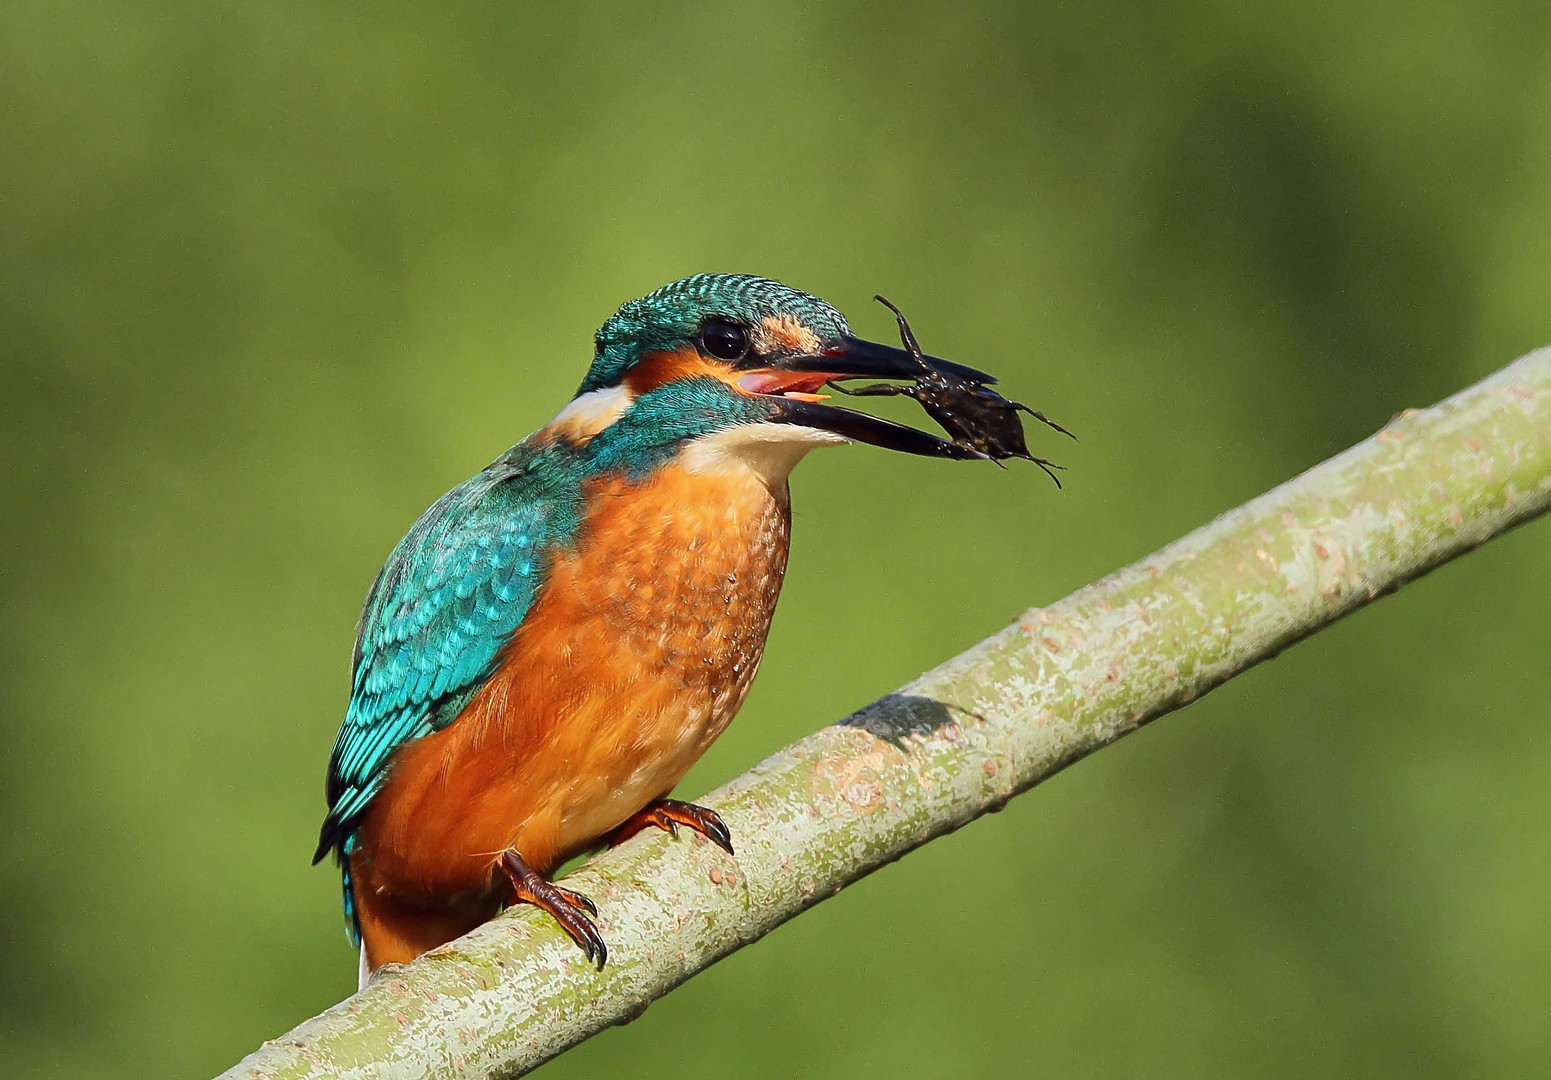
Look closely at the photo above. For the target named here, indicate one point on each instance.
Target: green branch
(960, 740)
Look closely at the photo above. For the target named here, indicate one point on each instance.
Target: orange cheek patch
(660, 368)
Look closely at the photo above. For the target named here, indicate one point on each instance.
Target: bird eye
(725, 340)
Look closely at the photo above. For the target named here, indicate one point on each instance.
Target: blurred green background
(276, 275)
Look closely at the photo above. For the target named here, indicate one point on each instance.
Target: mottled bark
(960, 740)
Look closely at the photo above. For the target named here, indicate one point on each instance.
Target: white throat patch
(770, 451)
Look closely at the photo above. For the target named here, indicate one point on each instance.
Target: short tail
(353, 924)
(352, 917)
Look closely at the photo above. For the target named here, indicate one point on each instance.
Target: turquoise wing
(450, 596)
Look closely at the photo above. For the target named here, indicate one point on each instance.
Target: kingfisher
(559, 638)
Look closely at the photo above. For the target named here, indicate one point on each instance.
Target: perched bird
(558, 639)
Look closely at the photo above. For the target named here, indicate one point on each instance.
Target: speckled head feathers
(672, 316)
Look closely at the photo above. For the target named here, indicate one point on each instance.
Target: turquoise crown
(671, 317)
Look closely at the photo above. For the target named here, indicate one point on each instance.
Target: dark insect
(973, 415)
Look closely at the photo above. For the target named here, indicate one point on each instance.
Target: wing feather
(447, 600)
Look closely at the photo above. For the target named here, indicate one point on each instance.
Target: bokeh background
(273, 276)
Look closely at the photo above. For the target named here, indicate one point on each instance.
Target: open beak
(793, 380)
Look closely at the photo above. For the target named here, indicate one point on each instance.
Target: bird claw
(577, 899)
(669, 814)
(563, 905)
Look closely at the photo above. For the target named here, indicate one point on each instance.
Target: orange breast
(637, 653)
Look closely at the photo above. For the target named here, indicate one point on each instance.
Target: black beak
(863, 427)
(860, 359)
(854, 358)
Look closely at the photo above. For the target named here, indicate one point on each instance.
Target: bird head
(731, 363)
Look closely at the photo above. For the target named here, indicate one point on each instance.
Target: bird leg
(669, 814)
(567, 907)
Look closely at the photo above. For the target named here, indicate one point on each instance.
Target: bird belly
(636, 655)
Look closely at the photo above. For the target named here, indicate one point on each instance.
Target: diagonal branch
(957, 742)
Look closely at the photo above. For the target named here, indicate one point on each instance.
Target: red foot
(669, 814)
(567, 907)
